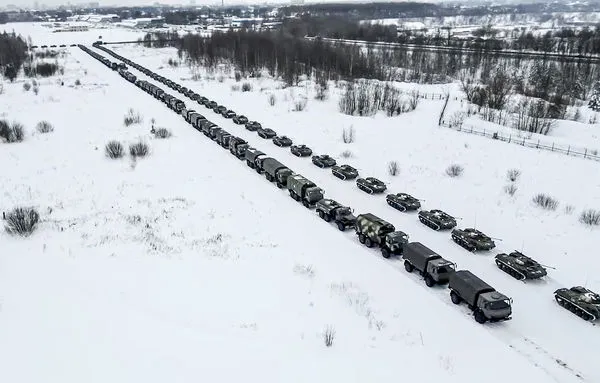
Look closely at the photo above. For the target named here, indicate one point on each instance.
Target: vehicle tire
(429, 281)
(321, 214)
(455, 298)
(327, 218)
(341, 226)
(306, 205)
(479, 317)
(280, 185)
(361, 238)
(408, 267)
(368, 242)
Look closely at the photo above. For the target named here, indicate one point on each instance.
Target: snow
(188, 265)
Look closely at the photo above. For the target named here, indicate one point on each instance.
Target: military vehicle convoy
(304, 190)
(486, 303)
(402, 201)
(437, 219)
(580, 301)
(374, 231)
(519, 266)
(276, 171)
(331, 210)
(430, 265)
(238, 146)
(472, 239)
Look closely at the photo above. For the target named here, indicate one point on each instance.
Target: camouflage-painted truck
(276, 172)
(486, 303)
(304, 190)
(374, 231)
(429, 264)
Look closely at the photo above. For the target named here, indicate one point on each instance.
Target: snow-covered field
(188, 265)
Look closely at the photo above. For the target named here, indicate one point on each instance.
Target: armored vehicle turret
(374, 231)
(519, 266)
(472, 239)
(437, 219)
(580, 301)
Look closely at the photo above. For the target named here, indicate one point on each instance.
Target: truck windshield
(344, 211)
(498, 305)
(445, 269)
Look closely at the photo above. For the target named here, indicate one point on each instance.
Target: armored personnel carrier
(580, 301)
(370, 185)
(344, 172)
(519, 266)
(323, 161)
(402, 201)
(437, 219)
(282, 141)
(472, 239)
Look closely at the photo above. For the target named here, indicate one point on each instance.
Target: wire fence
(569, 150)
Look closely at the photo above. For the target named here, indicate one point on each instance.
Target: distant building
(297, 2)
(143, 22)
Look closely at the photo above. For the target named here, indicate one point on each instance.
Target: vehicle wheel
(327, 218)
(385, 253)
(341, 226)
(368, 242)
(361, 239)
(454, 297)
(306, 205)
(479, 317)
(429, 281)
(279, 185)
(408, 267)
(321, 214)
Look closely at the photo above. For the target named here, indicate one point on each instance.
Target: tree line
(13, 53)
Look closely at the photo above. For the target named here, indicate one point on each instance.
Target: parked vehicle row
(486, 303)
(50, 46)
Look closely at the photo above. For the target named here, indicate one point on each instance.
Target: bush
(26, 86)
(22, 221)
(132, 117)
(300, 105)
(238, 76)
(162, 133)
(139, 149)
(346, 154)
(34, 83)
(77, 82)
(454, 170)
(221, 78)
(46, 69)
(513, 175)
(36, 90)
(44, 127)
(246, 87)
(569, 209)
(590, 217)
(114, 149)
(545, 201)
(14, 132)
(272, 99)
(348, 135)
(393, 168)
(329, 336)
(173, 63)
(510, 189)
(235, 88)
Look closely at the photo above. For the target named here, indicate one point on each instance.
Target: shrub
(272, 99)
(510, 189)
(26, 86)
(321, 91)
(14, 132)
(36, 90)
(44, 127)
(569, 209)
(300, 105)
(114, 149)
(4, 129)
(46, 69)
(246, 87)
(235, 88)
(139, 149)
(172, 63)
(162, 133)
(454, 170)
(347, 154)
(348, 135)
(545, 201)
(22, 221)
(132, 117)
(329, 336)
(238, 76)
(34, 83)
(513, 175)
(77, 82)
(393, 168)
(221, 78)
(590, 217)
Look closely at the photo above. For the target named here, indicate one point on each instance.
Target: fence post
(585, 154)
(509, 138)
(523, 144)
(569, 150)
(538, 145)
(553, 146)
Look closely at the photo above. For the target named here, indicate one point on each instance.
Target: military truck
(374, 231)
(331, 210)
(430, 265)
(304, 190)
(237, 147)
(486, 303)
(276, 171)
(252, 154)
(580, 301)
(223, 138)
(519, 266)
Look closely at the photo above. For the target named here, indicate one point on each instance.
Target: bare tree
(498, 89)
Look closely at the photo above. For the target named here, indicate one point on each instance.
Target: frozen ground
(187, 265)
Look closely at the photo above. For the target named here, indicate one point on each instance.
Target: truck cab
(494, 305)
